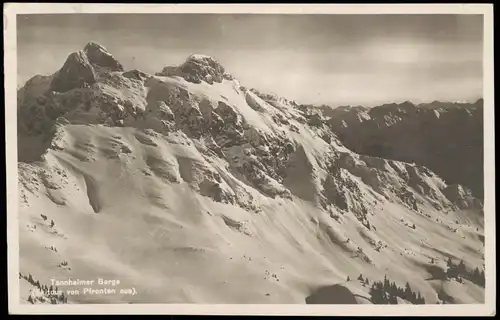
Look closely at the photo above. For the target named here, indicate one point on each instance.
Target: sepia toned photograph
(162, 156)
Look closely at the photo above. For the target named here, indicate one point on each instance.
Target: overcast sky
(331, 59)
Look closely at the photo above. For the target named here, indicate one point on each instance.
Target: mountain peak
(76, 72)
(201, 57)
(198, 68)
(92, 45)
(101, 57)
(82, 67)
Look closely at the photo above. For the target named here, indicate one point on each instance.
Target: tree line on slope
(459, 272)
(50, 293)
(386, 292)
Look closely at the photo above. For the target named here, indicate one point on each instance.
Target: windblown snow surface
(191, 188)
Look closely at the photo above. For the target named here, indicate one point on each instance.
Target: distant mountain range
(191, 188)
(446, 137)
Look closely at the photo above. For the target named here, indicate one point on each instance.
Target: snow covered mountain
(191, 188)
(445, 137)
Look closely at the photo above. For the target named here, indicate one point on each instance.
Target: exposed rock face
(461, 197)
(136, 74)
(445, 137)
(77, 72)
(82, 67)
(261, 159)
(99, 56)
(198, 68)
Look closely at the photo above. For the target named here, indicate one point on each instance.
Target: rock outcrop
(260, 158)
(82, 67)
(198, 68)
(77, 72)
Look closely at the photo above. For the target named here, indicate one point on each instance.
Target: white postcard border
(10, 64)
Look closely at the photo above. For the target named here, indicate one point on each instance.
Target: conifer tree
(386, 283)
(407, 293)
(371, 292)
(476, 273)
(461, 267)
(413, 297)
(449, 263)
(419, 298)
(394, 289)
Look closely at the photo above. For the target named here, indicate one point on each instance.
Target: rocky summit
(191, 188)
